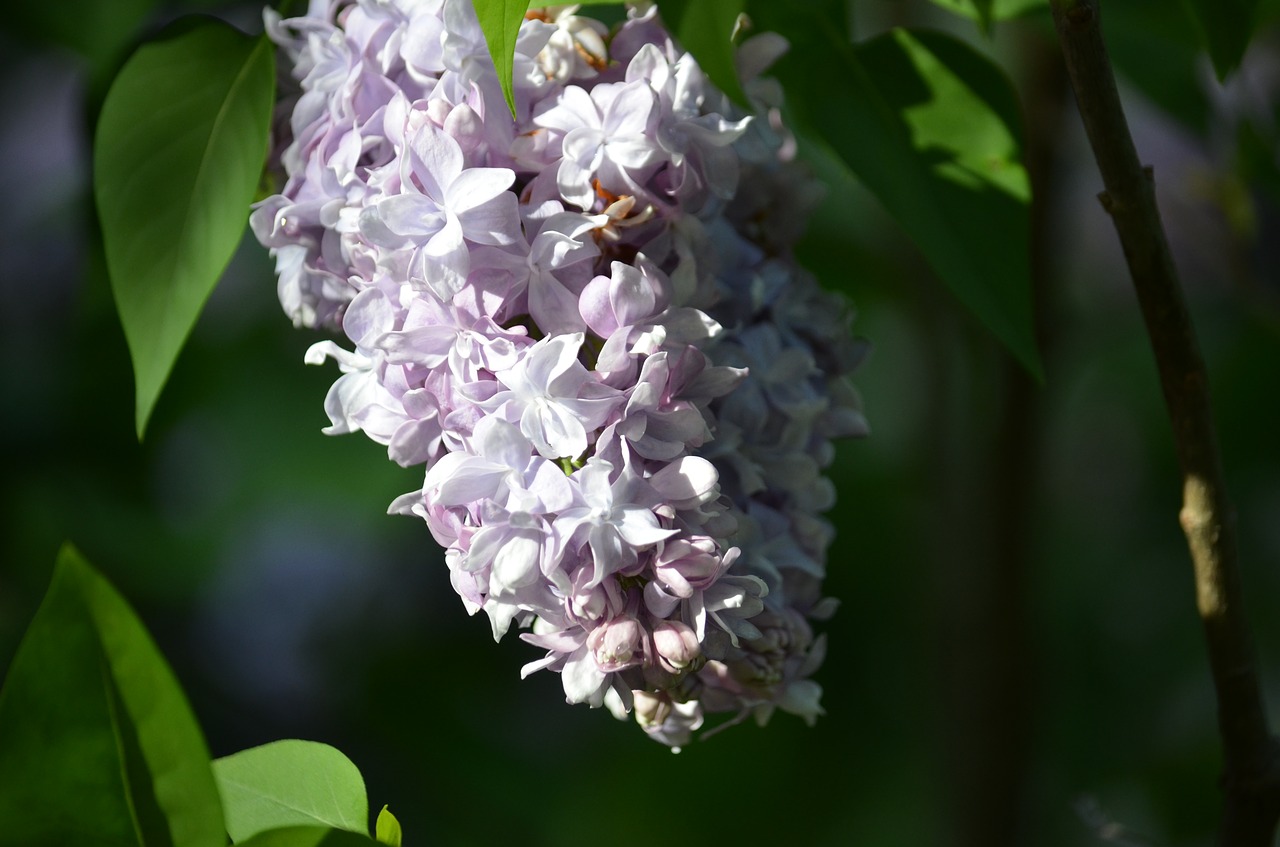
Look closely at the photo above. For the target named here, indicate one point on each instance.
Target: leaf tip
(387, 828)
(144, 405)
(69, 556)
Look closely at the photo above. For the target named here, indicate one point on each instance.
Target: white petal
(639, 528)
(687, 480)
(476, 186)
(516, 563)
(458, 479)
(558, 433)
(407, 215)
(500, 442)
(440, 158)
(581, 678)
(445, 261)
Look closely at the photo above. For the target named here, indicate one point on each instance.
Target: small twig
(1251, 779)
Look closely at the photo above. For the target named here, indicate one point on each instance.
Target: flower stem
(1251, 780)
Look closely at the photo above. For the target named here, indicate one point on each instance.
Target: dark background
(1017, 659)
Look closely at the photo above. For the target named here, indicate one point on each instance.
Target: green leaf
(705, 28)
(500, 22)
(1226, 27)
(388, 828)
(985, 11)
(995, 10)
(1155, 45)
(290, 782)
(1255, 160)
(308, 836)
(97, 742)
(932, 128)
(179, 148)
(100, 32)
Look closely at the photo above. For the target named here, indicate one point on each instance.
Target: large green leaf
(288, 783)
(1226, 27)
(97, 742)
(705, 29)
(932, 128)
(1156, 46)
(500, 23)
(308, 836)
(179, 150)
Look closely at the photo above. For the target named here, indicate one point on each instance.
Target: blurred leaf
(1256, 162)
(179, 149)
(985, 12)
(1226, 27)
(1155, 45)
(100, 32)
(308, 836)
(97, 742)
(706, 30)
(996, 10)
(500, 22)
(290, 782)
(388, 828)
(932, 128)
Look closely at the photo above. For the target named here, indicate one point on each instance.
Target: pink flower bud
(617, 644)
(676, 644)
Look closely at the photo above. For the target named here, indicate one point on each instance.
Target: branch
(1251, 780)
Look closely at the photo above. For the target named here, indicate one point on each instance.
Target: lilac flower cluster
(587, 324)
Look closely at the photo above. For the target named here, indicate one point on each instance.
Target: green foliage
(1155, 45)
(308, 836)
(1256, 158)
(931, 127)
(98, 745)
(99, 32)
(500, 22)
(1226, 27)
(288, 783)
(705, 30)
(178, 154)
(387, 828)
(988, 11)
(957, 184)
(97, 742)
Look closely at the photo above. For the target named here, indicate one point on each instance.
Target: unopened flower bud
(651, 709)
(676, 644)
(616, 644)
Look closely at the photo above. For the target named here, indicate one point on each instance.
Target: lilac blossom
(439, 207)
(605, 136)
(585, 325)
(553, 397)
(609, 519)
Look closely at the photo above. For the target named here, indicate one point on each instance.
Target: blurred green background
(1017, 659)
